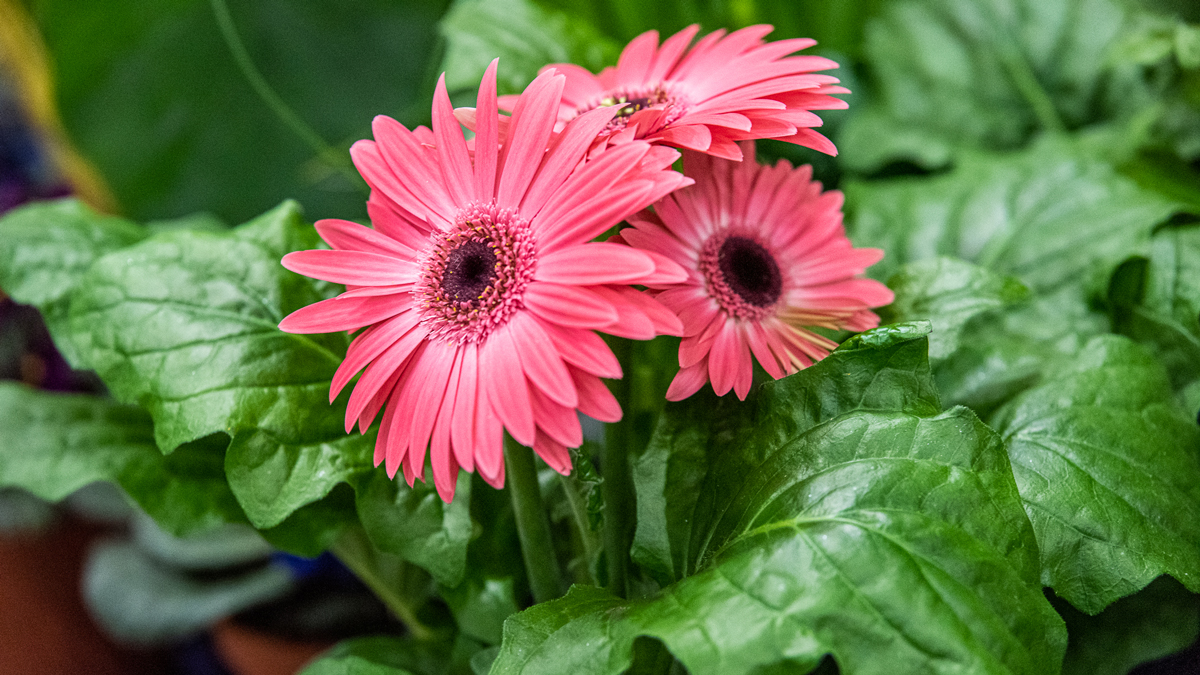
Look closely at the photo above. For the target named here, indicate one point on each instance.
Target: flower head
(477, 289)
(706, 97)
(767, 259)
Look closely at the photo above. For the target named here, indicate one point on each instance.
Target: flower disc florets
(635, 100)
(742, 274)
(475, 275)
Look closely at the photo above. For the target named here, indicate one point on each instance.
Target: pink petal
(631, 322)
(505, 383)
(598, 263)
(745, 377)
(724, 359)
(453, 159)
(352, 267)
(663, 319)
(688, 381)
(338, 314)
(532, 123)
(585, 187)
(756, 338)
(584, 349)
(392, 361)
(462, 432)
(569, 305)
(559, 422)
(348, 236)
(670, 51)
(541, 361)
(569, 149)
(487, 140)
(691, 136)
(489, 439)
(636, 59)
(370, 344)
(441, 457)
(555, 454)
(595, 400)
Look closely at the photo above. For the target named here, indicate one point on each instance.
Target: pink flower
(725, 88)
(767, 257)
(478, 288)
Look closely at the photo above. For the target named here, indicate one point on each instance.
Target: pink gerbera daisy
(477, 285)
(723, 89)
(767, 259)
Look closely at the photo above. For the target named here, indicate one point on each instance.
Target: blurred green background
(150, 94)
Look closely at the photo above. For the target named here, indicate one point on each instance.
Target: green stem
(384, 574)
(257, 82)
(533, 528)
(579, 516)
(618, 486)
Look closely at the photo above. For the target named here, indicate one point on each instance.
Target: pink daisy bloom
(478, 288)
(767, 258)
(723, 89)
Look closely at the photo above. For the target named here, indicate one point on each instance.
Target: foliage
(1003, 478)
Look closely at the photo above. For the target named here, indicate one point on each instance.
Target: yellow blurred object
(24, 62)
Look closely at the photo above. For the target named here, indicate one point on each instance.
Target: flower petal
(351, 267)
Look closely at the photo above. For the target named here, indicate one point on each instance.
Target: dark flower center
(750, 271)
(470, 269)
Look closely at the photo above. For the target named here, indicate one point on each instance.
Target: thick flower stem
(533, 528)
(618, 487)
(386, 575)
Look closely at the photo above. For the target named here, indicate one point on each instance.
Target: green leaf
(1003, 352)
(273, 479)
(45, 249)
(125, 76)
(140, 601)
(415, 524)
(1051, 216)
(892, 541)
(185, 325)
(1166, 317)
(835, 512)
(948, 293)
(884, 369)
(1161, 619)
(988, 74)
(523, 35)
(480, 606)
(382, 656)
(1109, 470)
(55, 444)
(314, 528)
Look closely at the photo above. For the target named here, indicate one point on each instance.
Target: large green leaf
(837, 512)
(523, 36)
(185, 324)
(1109, 470)
(150, 93)
(948, 293)
(1161, 619)
(46, 247)
(989, 73)
(885, 539)
(1052, 216)
(54, 444)
(695, 442)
